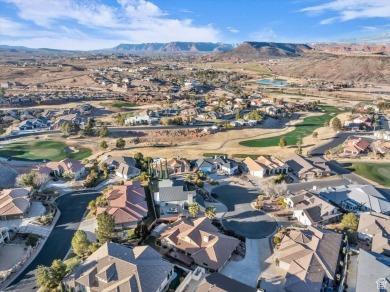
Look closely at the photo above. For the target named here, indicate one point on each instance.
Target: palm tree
(210, 212)
(194, 209)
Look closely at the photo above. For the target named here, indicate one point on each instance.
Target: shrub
(32, 240)
(277, 239)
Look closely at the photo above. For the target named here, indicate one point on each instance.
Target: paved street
(72, 207)
(240, 216)
(247, 271)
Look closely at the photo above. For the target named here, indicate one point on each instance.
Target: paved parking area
(240, 216)
(247, 271)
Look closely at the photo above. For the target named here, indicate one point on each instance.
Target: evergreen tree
(282, 142)
(80, 243)
(106, 227)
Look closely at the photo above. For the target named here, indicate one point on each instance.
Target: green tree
(120, 143)
(210, 212)
(138, 156)
(350, 221)
(103, 132)
(327, 123)
(255, 115)
(42, 276)
(92, 207)
(1, 130)
(50, 277)
(238, 115)
(282, 142)
(57, 271)
(106, 227)
(80, 243)
(103, 145)
(120, 120)
(194, 209)
(315, 135)
(299, 147)
(336, 124)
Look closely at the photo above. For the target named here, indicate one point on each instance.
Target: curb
(31, 258)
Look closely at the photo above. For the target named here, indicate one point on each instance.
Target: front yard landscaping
(377, 172)
(303, 129)
(41, 150)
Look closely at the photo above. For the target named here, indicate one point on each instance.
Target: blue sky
(94, 24)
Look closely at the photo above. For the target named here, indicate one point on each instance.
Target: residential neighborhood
(194, 146)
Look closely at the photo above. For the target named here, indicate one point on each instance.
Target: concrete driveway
(247, 271)
(241, 217)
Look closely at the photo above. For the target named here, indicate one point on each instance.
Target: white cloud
(351, 9)
(232, 29)
(266, 34)
(369, 28)
(132, 21)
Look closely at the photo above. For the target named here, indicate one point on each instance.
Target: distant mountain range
(173, 47)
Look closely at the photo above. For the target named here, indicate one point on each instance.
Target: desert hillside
(372, 69)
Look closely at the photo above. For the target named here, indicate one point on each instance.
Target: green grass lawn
(119, 104)
(49, 150)
(377, 172)
(302, 129)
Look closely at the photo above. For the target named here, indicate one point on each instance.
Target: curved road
(72, 207)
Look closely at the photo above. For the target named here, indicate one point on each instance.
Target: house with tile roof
(310, 258)
(373, 270)
(178, 165)
(14, 203)
(309, 209)
(263, 166)
(67, 165)
(124, 167)
(375, 228)
(201, 241)
(356, 198)
(307, 168)
(355, 147)
(126, 203)
(115, 267)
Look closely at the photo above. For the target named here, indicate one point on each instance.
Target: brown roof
(14, 201)
(66, 165)
(202, 240)
(377, 226)
(126, 203)
(263, 163)
(115, 267)
(311, 254)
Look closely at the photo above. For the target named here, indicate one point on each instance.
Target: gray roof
(219, 283)
(371, 268)
(366, 195)
(301, 164)
(174, 193)
(115, 267)
(218, 160)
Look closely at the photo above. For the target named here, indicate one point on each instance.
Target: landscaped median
(302, 129)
